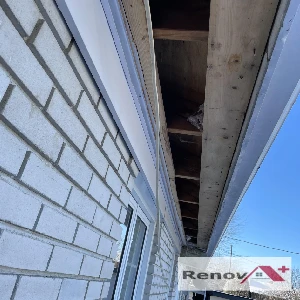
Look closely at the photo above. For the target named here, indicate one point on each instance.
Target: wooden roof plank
(238, 34)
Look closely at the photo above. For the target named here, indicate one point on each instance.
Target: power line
(264, 246)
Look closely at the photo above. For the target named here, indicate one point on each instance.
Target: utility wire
(264, 246)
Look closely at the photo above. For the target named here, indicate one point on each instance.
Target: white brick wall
(22, 14)
(5, 81)
(123, 171)
(7, 283)
(114, 206)
(122, 146)
(99, 191)
(108, 118)
(91, 266)
(19, 251)
(94, 290)
(111, 151)
(20, 59)
(18, 205)
(56, 19)
(102, 220)
(81, 68)
(75, 167)
(65, 261)
(63, 163)
(105, 246)
(95, 157)
(40, 175)
(86, 238)
(29, 120)
(107, 269)
(114, 250)
(160, 271)
(63, 115)
(11, 160)
(105, 290)
(124, 196)
(90, 117)
(56, 224)
(81, 205)
(72, 289)
(113, 180)
(37, 288)
(116, 231)
(48, 47)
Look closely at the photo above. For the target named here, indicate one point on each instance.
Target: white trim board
(92, 28)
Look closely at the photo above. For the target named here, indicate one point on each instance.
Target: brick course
(63, 162)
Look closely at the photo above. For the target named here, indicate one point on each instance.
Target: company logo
(267, 271)
(234, 273)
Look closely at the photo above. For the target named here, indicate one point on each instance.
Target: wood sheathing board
(136, 23)
(238, 34)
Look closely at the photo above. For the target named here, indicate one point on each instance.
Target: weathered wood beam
(186, 165)
(189, 209)
(179, 34)
(238, 34)
(184, 131)
(188, 202)
(179, 110)
(186, 152)
(187, 177)
(181, 125)
(187, 190)
(190, 223)
(188, 217)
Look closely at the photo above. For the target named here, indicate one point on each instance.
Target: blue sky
(270, 210)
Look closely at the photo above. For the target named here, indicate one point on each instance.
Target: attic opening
(181, 39)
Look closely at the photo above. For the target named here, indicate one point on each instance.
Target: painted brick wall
(173, 293)
(160, 271)
(64, 167)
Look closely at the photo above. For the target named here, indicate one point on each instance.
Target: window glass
(118, 259)
(133, 262)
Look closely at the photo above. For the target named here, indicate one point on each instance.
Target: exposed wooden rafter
(180, 125)
(190, 223)
(179, 34)
(189, 217)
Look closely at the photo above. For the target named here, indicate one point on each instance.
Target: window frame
(136, 212)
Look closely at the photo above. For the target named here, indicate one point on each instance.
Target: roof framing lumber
(180, 34)
(183, 128)
(188, 217)
(190, 202)
(187, 177)
(238, 34)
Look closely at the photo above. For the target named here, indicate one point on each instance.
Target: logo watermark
(234, 273)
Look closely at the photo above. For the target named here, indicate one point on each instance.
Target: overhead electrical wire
(263, 246)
